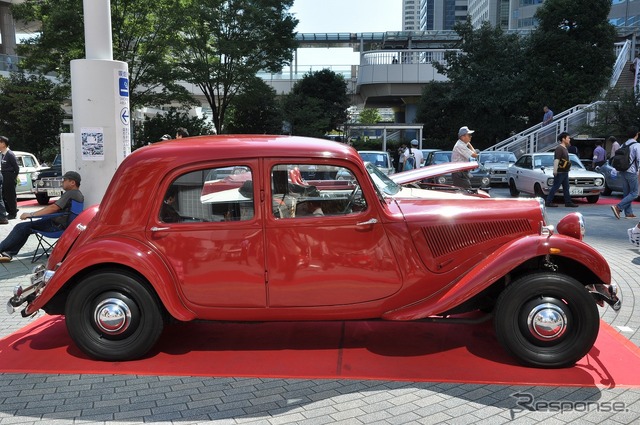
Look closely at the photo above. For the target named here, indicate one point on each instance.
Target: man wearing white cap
(462, 152)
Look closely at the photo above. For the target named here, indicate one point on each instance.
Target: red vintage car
(278, 228)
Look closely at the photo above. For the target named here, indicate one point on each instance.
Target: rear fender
(127, 253)
(500, 263)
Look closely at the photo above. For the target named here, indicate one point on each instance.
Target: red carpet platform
(336, 350)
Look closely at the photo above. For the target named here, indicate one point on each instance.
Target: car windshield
(496, 157)
(384, 184)
(441, 157)
(377, 158)
(57, 160)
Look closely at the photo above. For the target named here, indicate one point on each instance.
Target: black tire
(593, 199)
(42, 198)
(537, 190)
(607, 190)
(513, 190)
(116, 339)
(552, 296)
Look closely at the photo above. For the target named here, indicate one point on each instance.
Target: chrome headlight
(550, 181)
(485, 181)
(441, 180)
(599, 182)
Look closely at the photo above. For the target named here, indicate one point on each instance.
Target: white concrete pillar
(100, 99)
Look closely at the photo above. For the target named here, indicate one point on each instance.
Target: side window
(303, 191)
(28, 161)
(210, 195)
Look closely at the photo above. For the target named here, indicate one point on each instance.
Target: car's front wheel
(113, 315)
(593, 199)
(546, 320)
(42, 198)
(513, 190)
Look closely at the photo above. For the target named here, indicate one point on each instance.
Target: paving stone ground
(126, 399)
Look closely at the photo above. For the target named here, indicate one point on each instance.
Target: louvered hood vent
(446, 239)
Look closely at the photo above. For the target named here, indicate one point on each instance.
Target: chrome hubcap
(547, 322)
(112, 316)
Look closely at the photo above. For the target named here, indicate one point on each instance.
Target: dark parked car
(48, 183)
(271, 244)
(480, 178)
(612, 179)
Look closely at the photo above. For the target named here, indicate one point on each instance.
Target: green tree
(486, 88)
(570, 56)
(142, 35)
(224, 43)
(369, 116)
(255, 111)
(31, 115)
(152, 129)
(317, 103)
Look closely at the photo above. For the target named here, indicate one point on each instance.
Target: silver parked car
(380, 159)
(497, 163)
(533, 174)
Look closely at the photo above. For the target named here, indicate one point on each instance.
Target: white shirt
(417, 153)
(461, 153)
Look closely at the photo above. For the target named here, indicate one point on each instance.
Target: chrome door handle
(364, 223)
(157, 229)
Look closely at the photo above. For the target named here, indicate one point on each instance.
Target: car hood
(574, 173)
(432, 171)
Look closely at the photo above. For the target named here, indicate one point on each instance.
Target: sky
(332, 16)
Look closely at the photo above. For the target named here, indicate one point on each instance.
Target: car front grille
(50, 183)
(582, 182)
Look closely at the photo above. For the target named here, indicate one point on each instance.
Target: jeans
(21, 232)
(560, 179)
(630, 191)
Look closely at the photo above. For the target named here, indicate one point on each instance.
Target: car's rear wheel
(42, 198)
(546, 320)
(513, 190)
(593, 199)
(113, 315)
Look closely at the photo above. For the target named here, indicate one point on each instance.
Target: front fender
(124, 252)
(500, 263)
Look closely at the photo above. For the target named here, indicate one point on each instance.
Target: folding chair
(44, 246)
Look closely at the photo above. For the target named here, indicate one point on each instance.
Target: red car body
(376, 250)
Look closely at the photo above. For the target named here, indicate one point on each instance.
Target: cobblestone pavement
(126, 399)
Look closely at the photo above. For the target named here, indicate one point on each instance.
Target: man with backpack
(626, 161)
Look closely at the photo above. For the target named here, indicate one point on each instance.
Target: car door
(206, 226)
(28, 165)
(325, 241)
(523, 174)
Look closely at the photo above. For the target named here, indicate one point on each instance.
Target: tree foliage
(31, 115)
(369, 116)
(570, 54)
(152, 129)
(255, 111)
(224, 43)
(499, 83)
(141, 35)
(485, 89)
(317, 103)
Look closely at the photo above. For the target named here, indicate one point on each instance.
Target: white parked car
(29, 167)
(533, 174)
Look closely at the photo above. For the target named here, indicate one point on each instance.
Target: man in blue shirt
(548, 116)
